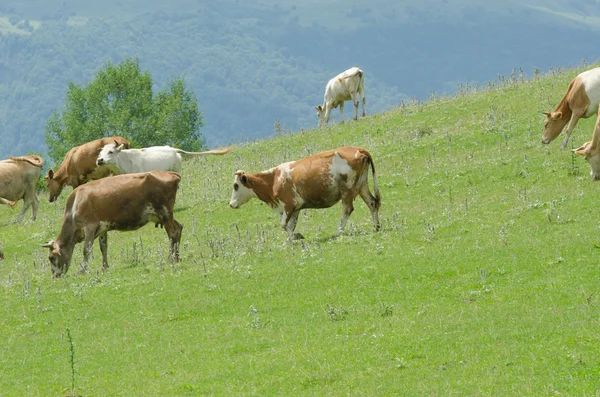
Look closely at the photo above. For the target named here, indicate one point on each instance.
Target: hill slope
(483, 280)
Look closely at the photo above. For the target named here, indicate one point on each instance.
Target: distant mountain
(251, 65)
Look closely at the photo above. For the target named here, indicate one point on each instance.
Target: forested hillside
(251, 64)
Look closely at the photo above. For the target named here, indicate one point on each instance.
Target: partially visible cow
(591, 151)
(18, 180)
(79, 166)
(1, 253)
(317, 181)
(580, 101)
(348, 85)
(165, 158)
(122, 202)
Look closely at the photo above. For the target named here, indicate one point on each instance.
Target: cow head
(242, 190)
(592, 155)
(59, 258)
(321, 115)
(54, 186)
(553, 126)
(108, 154)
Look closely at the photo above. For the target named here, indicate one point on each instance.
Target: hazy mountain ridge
(250, 65)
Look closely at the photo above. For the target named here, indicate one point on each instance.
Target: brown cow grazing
(318, 181)
(580, 101)
(79, 166)
(123, 202)
(18, 180)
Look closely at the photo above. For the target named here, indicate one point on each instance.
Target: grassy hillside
(483, 281)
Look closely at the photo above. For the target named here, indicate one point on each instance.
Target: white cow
(162, 158)
(343, 87)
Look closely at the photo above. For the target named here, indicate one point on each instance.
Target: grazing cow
(18, 180)
(343, 87)
(580, 101)
(164, 158)
(79, 166)
(122, 202)
(318, 181)
(591, 151)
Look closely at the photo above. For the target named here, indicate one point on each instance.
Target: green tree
(119, 101)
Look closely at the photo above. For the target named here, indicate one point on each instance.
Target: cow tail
(32, 159)
(376, 191)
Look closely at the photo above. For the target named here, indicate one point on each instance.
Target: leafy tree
(119, 101)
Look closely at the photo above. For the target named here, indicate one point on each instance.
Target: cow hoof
(298, 236)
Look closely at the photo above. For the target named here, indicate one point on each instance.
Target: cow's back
(18, 175)
(124, 201)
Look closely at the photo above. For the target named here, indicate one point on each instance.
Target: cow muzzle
(99, 162)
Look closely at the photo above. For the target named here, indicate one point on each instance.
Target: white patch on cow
(591, 83)
(285, 172)
(339, 167)
(241, 195)
(104, 227)
(298, 199)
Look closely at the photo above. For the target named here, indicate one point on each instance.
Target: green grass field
(484, 280)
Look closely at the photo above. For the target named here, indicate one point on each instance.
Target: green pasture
(484, 280)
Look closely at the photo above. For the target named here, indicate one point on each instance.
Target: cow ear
(118, 149)
(555, 115)
(50, 174)
(320, 108)
(244, 179)
(583, 150)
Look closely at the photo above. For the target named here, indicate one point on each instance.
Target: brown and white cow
(317, 181)
(580, 101)
(346, 86)
(79, 166)
(18, 180)
(123, 202)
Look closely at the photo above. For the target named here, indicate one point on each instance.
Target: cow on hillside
(123, 202)
(164, 158)
(317, 181)
(348, 85)
(591, 151)
(79, 166)
(18, 180)
(580, 101)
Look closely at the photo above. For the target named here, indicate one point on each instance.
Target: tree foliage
(120, 101)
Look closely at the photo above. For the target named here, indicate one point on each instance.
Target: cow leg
(342, 112)
(363, 100)
(347, 209)
(88, 245)
(173, 229)
(103, 240)
(327, 113)
(372, 203)
(34, 206)
(355, 102)
(571, 126)
(26, 205)
(289, 218)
